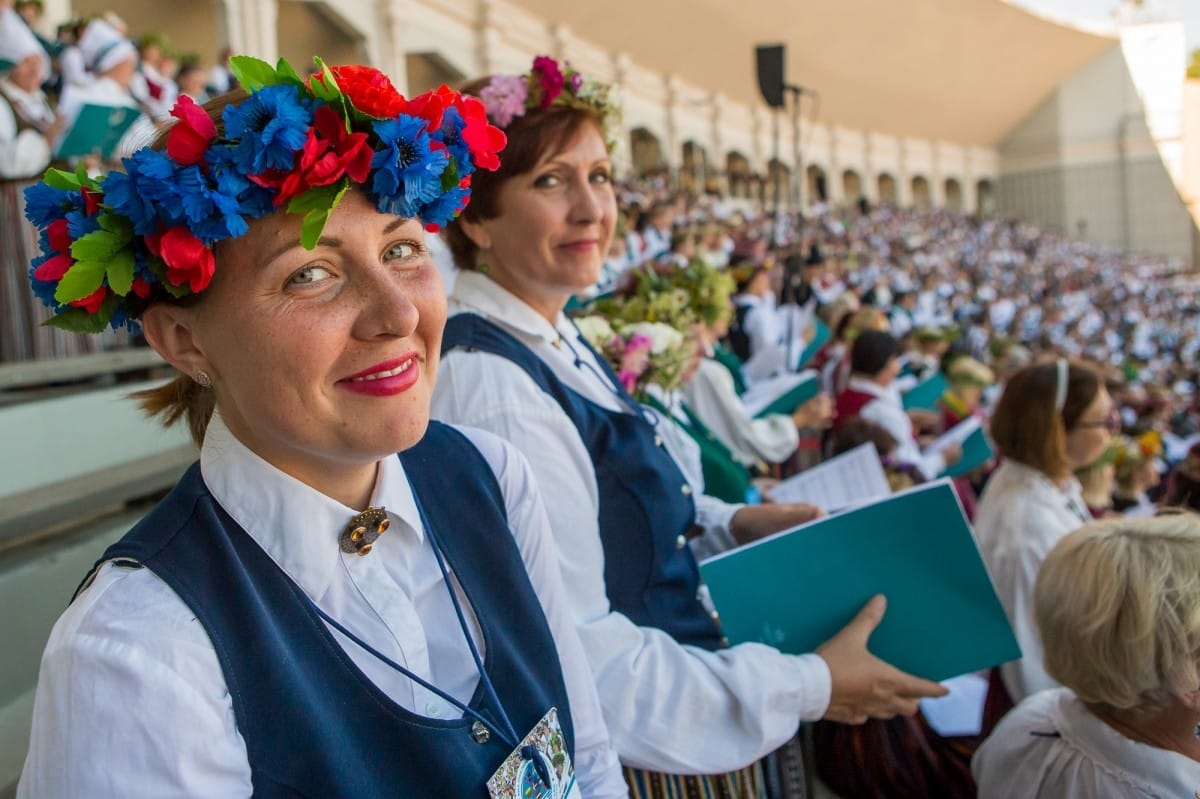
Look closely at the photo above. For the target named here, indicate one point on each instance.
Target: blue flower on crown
(270, 126)
(451, 136)
(408, 172)
(45, 203)
(445, 207)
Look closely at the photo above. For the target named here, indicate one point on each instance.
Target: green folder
(976, 451)
(797, 589)
(924, 395)
(821, 336)
(98, 128)
(807, 387)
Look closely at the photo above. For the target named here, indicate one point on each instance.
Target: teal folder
(976, 451)
(821, 336)
(924, 396)
(787, 402)
(797, 589)
(98, 128)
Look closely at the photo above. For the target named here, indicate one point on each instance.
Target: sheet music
(851, 479)
(955, 435)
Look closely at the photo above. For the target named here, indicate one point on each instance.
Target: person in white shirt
(679, 703)
(307, 613)
(112, 60)
(1115, 602)
(1053, 419)
(871, 394)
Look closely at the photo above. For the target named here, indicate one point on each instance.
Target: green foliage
(1193, 70)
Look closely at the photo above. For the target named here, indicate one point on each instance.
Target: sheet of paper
(955, 435)
(797, 589)
(959, 712)
(852, 478)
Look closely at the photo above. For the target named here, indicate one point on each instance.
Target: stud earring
(203, 379)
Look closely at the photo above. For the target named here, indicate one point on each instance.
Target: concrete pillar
(253, 27)
(622, 158)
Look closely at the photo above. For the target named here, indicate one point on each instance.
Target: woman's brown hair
(184, 398)
(530, 137)
(1029, 429)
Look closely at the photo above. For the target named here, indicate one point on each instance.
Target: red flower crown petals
(190, 137)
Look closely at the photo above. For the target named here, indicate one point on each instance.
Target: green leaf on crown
(316, 204)
(327, 89)
(252, 73)
(120, 272)
(158, 268)
(83, 278)
(63, 181)
(78, 320)
(286, 73)
(99, 245)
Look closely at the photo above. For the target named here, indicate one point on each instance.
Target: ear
(169, 329)
(1190, 700)
(476, 232)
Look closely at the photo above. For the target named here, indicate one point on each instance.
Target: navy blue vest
(646, 509)
(314, 725)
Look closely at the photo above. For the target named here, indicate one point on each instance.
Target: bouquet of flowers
(641, 353)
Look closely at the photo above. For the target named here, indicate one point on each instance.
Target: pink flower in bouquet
(635, 360)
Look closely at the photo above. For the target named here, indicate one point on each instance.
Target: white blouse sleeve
(669, 707)
(126, 662)
(713, 398)
(596, 764)
(21, 155)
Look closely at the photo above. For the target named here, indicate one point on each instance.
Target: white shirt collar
(1173, 774)
(296, 525)
(888, 393)
(480, 293)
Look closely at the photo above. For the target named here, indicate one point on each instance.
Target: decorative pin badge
(363, 530)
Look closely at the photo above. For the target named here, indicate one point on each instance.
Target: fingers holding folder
(863, 686)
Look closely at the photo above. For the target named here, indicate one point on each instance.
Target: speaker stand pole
(776, 188)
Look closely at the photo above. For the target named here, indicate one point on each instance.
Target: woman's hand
(865, 687)
(816, 414)
(753, 522)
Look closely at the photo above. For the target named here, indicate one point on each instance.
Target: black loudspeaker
(769, 63)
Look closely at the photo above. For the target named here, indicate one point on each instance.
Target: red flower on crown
(189, 262)
(329, 153)
(189, 138)
(483, 139)
(550, 77)
(369, 90)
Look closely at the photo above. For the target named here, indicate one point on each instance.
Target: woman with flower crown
(305, 614)
(679, 702)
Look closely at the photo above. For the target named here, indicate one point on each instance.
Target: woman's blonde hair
(1117, 604)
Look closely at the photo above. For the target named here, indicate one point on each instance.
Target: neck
(1172, 727)
(547, 302)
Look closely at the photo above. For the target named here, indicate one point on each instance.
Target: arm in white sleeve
(21, 155)
(596, 766)
(1014, 573)
(668, 707)
(712, 397)
(131, 701)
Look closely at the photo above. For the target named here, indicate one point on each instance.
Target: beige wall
(1191, 146)
(1085, 162)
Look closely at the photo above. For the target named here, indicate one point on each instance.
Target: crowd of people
(50, 91)
(535, 622)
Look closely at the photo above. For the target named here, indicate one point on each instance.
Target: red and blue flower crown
(113, 244)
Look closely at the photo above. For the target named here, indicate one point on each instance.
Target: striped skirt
(744, 784)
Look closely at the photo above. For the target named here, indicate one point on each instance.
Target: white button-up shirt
(1020, 517)
(711, 395)
(669, 707)
(1051, 747)
(131, 699)
(887, 411)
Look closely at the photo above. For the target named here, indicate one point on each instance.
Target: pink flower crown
(112, 245)
(547, 84)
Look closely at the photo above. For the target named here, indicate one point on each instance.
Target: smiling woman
(258, 633)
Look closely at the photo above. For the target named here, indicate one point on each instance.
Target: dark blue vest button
(480, 734)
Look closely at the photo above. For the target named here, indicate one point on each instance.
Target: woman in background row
(1117, 604)
(1053, 419)
(306, 614)
(679, 702)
